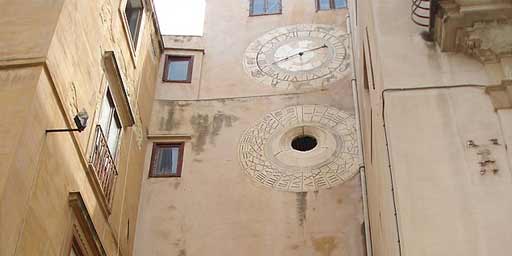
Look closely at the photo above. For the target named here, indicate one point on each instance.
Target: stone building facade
(291, 127)
(244, 189)
(435, 117)
(65, 192)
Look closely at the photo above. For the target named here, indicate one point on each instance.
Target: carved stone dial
(301, 148)
(299, 56)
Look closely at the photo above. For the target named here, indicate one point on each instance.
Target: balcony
(103, 168)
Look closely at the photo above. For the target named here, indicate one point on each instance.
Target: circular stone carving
(299, 56)
(267, 155)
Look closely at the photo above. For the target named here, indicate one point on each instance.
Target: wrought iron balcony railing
(420, 12)
(103, 166)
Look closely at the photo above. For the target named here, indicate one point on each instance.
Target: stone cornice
(487, 41)
(483, 30)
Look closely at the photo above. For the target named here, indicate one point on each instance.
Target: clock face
(305, 55)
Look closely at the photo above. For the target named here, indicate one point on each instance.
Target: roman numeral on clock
(292, 35)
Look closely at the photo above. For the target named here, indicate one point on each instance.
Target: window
(178, 69)
(264, 7)
(109, 123)
(133, 12)
(330, 4)
(166, 160)
(84, 240)
(76, 250)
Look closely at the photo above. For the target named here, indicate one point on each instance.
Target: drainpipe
(355, 94)
(391, 176)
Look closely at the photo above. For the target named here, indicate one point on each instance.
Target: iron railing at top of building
(420, 12)
(423, 13)
(103, 165)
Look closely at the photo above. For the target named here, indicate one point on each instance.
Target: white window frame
(133, 44)
(114, 116)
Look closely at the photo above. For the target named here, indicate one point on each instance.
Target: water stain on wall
(206, 129)
(295, 247)
(181, 39)
(324, 246)
(302, 205)
(173, 117)
(182, 252)
(201, 126)
(219, 121)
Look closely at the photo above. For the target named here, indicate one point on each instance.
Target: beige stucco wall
(437, 176)
(444, 206)
(55, 65)
(228, 31)
(27, 28)
(215, 208)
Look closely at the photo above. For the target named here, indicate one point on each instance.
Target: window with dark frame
(265, 7)
(133, 12)
(330, 4)
(76, 250)
(110, 123)
(166, 160)
(178, 69)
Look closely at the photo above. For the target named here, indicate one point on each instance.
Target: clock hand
(283, 59)
(314, 49)
(298, 54)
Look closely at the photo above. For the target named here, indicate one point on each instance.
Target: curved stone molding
(266, 153)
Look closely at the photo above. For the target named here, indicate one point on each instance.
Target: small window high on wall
(166, 160)
(133, 12)
(265, 7)
(178, 69)
(330, 4)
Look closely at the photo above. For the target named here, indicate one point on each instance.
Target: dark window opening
(330, 4)
(178, 69)
(265, 7)
(133, 11)
(304, 143)
(166, 160)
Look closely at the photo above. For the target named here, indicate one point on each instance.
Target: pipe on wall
(391, 176)
(362, 174)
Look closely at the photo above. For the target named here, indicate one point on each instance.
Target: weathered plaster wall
(229, 30)
(170, 90)
(435, 187)
(38, 170)
(26, 29)
(215, 208)
(438, 176)
(17, 172)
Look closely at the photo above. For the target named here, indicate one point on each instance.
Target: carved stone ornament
(487, 41)
(267, 153)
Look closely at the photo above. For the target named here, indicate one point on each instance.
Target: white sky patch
(179, 17)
